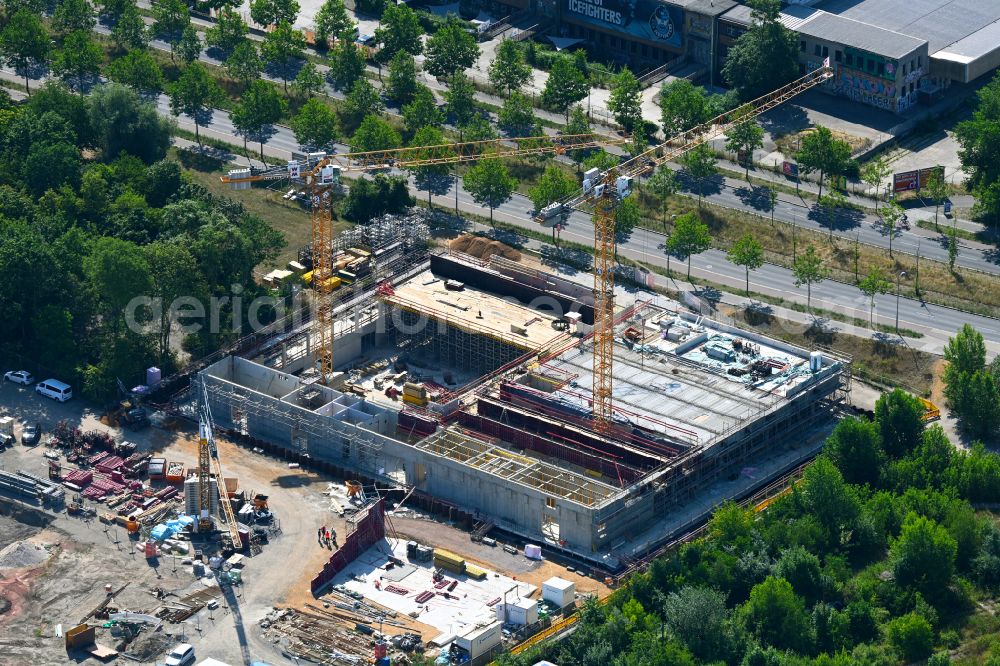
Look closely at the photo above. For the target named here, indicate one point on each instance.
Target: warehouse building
(890, 54)
(473, 385)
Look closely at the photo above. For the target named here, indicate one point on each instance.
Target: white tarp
(564, 42)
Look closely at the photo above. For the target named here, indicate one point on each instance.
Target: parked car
(55, 389)
(181, 655)
(19, 377)
(31, 434)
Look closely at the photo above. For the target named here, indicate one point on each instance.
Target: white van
(55, 389)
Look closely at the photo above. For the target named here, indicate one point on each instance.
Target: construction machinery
(208, 457)
(601, 194)
(320, 173)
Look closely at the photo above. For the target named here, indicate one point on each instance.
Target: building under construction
(470, 381)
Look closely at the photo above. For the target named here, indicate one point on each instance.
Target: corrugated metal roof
(941, 22)
(833, 28)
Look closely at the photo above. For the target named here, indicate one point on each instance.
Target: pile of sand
(483, 248)
(21, 554)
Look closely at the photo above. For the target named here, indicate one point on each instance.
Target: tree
(461, 99)
(259, 108)
(875, 283)
(664, 184)
(765, 57)
(980, 404)
(368, 199)
(554, 185)
(432, 178)
(828, 498)
(189, 46)
(478, 128)
(821, 151)
(776, 615)
(228, 32)
(971, 387)
(601, 159)
(517, 117)
(808, 270)
(802, 569)
(280, 47)
(315, 125)
(489, 183)
(627, 217)
(332, 20)
(362, 101)
(370, 7)
(683, 106)
(565, 87)
(965, 353)
(137, 70)
(118, 272)
(952, 248)
(874, 173)
(912, 636)
(193, 95)
(748, 253)
(578, 124)
(892, 215)
(78, 61)
(347, 65)
(980, 144)
(244, 63)
(923, 557)
(174, 273)
(700, 164)
(689, 237)
(422, 111)
(899, 416)
(508, 71)
(308, 81)
(130, 30)
(274, 12)
(745, 136)
(113, 9)
(24, 44)
(625, 100)
(450, 50)
(70, 15)
(375, 134)
(402, 84)
(399, 30)
(698, 616)
(937, 190)
(170, 18)
(854, 447)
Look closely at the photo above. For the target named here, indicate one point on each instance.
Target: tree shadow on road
(755, 197)
(707, 186)
(844, 219)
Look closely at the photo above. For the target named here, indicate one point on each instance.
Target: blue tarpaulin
(171, 527)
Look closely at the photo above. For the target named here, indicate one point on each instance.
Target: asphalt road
(647, 246)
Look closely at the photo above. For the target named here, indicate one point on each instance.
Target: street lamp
(901, 275)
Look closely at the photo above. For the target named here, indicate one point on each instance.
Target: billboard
(907, 181)
(644, 19)
(790, 169)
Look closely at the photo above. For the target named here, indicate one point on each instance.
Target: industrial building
(891, 54)
(470, 381)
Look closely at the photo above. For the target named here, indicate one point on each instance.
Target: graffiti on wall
(861, 88)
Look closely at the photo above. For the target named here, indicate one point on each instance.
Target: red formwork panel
(368, 531)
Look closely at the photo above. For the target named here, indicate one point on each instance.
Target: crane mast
(601, 196)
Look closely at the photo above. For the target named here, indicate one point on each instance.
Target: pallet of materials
(423, 597)
(110, 464)
(444, 559)
(97, 457)
(474, 572)
(79, 477)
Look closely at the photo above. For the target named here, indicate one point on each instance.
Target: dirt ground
(81, 557)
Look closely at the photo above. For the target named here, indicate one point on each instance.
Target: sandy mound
(483, 248)
(22, 554)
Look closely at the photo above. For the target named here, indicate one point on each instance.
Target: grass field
(289, 218)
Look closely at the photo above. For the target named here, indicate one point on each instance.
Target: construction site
(442, 452)
(470, 384)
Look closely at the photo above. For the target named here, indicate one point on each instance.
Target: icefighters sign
(646, 19)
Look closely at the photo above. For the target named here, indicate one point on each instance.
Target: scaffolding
(489, 457)
(311, 434)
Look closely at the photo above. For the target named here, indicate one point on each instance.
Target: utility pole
(902, 274)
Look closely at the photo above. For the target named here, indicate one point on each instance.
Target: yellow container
(332, 283)
(414, 399)
(474, 572)
(307, 278)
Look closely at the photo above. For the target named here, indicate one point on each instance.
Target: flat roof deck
(476, 311)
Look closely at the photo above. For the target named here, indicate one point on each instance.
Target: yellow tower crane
(600, 194)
